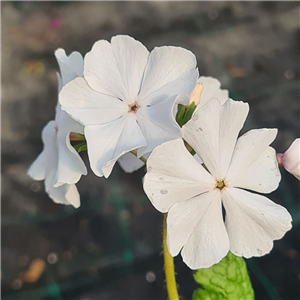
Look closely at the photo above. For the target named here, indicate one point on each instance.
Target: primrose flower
(290, 160)
(126, 96)
(59, 164)
(193, 197)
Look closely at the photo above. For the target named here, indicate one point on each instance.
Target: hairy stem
(169, 266)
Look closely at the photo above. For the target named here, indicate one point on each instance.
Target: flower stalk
(143, 159)
(169, 266)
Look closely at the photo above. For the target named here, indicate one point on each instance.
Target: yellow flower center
(220, 185)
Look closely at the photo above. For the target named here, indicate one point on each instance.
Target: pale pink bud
(76, 137)
(290, 160)
(196, 93)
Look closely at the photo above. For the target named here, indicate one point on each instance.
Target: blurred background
(110, 248)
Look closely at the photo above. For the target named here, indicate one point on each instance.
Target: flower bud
(196, 94)
(74, 136)
(290, 160)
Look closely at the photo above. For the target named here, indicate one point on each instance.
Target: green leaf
(227, 280)
(80, 147)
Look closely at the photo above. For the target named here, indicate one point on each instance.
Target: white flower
(176, 183)
(59, 164)
(290, 160)
(126, 97)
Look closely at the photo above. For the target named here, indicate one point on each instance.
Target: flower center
(220, 185)
(133, 107)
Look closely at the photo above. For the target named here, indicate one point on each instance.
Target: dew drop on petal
(164, 192)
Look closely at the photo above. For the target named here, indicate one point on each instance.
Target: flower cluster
(125, 100)
(121, 97)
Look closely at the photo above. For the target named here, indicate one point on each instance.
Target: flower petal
(70, 66)
(38, 168)
(211, 88)
(248, 147)
(212, 132)
(45, 167)
(106, 143)
(157, 124)
(262, 175)
(101, 71)
(130, 163)
(131, 58)
(59, 84)
(65, 194)
(70, 166)
(169, 71)
(116, 69)
(183, 218)
(88, 106)
(173, 175)
(181, 99)
(253, 222)
(73, 196)
(208, 243)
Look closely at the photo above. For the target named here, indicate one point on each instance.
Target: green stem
(168, 259)
(169, 266)
(143, 159)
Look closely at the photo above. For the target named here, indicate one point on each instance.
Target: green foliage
(80, 147)
(227, 280)
(185, 113)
